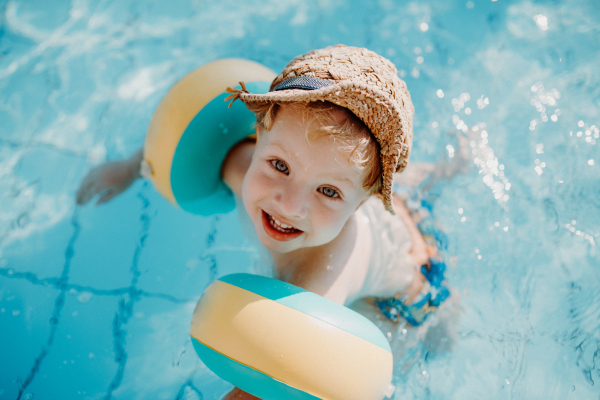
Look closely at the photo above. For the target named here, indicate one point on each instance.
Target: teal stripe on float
(246, 378)
(312, 304)
(196, 166)
(337, 315)
(266, 287)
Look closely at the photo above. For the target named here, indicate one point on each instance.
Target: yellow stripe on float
(290, 346)
(181, 104)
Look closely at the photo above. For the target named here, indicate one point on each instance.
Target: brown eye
(329, 192)
(280, 166)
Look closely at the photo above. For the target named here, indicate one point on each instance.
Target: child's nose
(292, 201)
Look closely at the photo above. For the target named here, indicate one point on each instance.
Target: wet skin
(310, 187)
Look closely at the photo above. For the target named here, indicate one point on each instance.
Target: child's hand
(109, 179)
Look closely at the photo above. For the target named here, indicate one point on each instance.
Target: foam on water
(96, 302)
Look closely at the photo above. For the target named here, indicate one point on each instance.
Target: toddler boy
(317, 184)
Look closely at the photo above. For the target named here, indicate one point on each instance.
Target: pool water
(95, 302)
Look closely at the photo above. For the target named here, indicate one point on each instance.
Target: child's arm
(110, 179)
(236, 164)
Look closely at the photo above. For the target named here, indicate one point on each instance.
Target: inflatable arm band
(192, 131)
(277, 341)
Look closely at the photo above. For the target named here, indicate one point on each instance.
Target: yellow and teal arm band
(192, 130)
(277, 341)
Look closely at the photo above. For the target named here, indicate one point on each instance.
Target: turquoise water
(95, 302)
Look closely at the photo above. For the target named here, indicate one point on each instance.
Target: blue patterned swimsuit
(435, 290)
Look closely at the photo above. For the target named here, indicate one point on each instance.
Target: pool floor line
(58, 304)
(181, 393)
(125, 309)
(130, 294)
(207, 255)
(54, 282)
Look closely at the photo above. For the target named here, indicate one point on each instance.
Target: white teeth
(275, 223)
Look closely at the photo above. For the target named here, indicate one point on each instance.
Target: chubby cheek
(326, 223)
(254, 188)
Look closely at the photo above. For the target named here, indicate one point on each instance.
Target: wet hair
(349, 133)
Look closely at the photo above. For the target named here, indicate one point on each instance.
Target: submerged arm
(110, 179)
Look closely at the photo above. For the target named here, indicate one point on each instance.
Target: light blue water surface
(95, 303)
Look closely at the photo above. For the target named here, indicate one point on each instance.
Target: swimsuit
(435, 289)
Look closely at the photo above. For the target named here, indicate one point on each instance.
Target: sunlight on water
(96, 302)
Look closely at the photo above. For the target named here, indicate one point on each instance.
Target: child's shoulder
(236, 164)
(382, 225)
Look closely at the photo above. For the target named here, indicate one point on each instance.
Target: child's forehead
(297, 142)
(293, 127)
(321, 158)
(324, 129)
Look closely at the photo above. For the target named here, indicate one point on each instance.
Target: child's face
(299, 194)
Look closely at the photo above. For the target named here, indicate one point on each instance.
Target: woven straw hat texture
(366, 84)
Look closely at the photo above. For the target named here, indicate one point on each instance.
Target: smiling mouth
(280, 226)
(278, 230)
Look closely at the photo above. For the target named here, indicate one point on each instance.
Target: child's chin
(276, 246)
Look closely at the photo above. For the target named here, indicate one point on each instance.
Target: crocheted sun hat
(361, 81)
